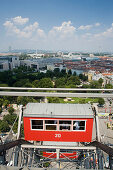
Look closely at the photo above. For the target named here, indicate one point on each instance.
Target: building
(58, 122)
(59, 66)
(30, 64)
(97, 76)
(50, 67)
(4, 66)
(9, 62)
(89, 75)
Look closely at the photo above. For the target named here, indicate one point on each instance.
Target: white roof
(58, 110)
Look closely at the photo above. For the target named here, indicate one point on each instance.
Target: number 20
(57, 135)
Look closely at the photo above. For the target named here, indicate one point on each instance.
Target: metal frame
(87, 149)
(59, 147)
(55, 94)
(53, 89)
(47, 94)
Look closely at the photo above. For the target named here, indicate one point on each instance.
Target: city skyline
(74, 25)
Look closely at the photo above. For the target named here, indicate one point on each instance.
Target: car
(100, 105)
(3, 134)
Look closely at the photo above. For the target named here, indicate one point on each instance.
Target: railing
(56, 94)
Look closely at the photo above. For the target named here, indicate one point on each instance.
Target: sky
(70, 25)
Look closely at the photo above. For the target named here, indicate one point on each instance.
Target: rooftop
(58, 110)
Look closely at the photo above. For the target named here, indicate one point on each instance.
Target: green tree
(70, 72)
(53, 100)
(0, 110)
(35, 83)
(63, 71)
(11, 110)
(83, 77)
(73, 80)
(101, 101)
(6, 103)
(22, 100)
(56, 72)
(85, 86)
(21, 82)
(49, 74)
(61, 82)
(70, 86)
(3, 85)
(1, 102)
(74, 74)
(45, 83)
(100, 81)
(10, 118)
(24, 56)
(4, 127)
(28, 84)
(108, 86)
(95, 85)
(15, 127)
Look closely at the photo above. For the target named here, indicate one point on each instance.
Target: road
(108, 106)
(105, 134)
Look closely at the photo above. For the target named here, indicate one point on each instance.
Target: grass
(80, 100)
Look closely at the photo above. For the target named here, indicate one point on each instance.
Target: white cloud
(27, 32)
(41, 33)
(19, 20)
(11, 28)
(87, 35)
(65, 30)
(85, 27)
(31, 27)
(97, 24)
(66, 27)
(107, 33)
(8, 24)
(88, 27)
(63, 36)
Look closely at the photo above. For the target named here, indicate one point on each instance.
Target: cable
(11, 129)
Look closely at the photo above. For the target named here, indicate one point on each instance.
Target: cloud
(87, 35)
(31, 27)
(85, 27)
(66, 27)
(41, 33)
(108, 33)
(17, 29)
(8, 24)
(13, 30)
(88, 27)
(97, 24)
(64, 36)
(65, 30)
(19, 20)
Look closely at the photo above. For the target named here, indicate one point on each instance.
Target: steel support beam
(19, 122)
(53, 89)
(97, 122)
(46, 94)
(59, 147)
